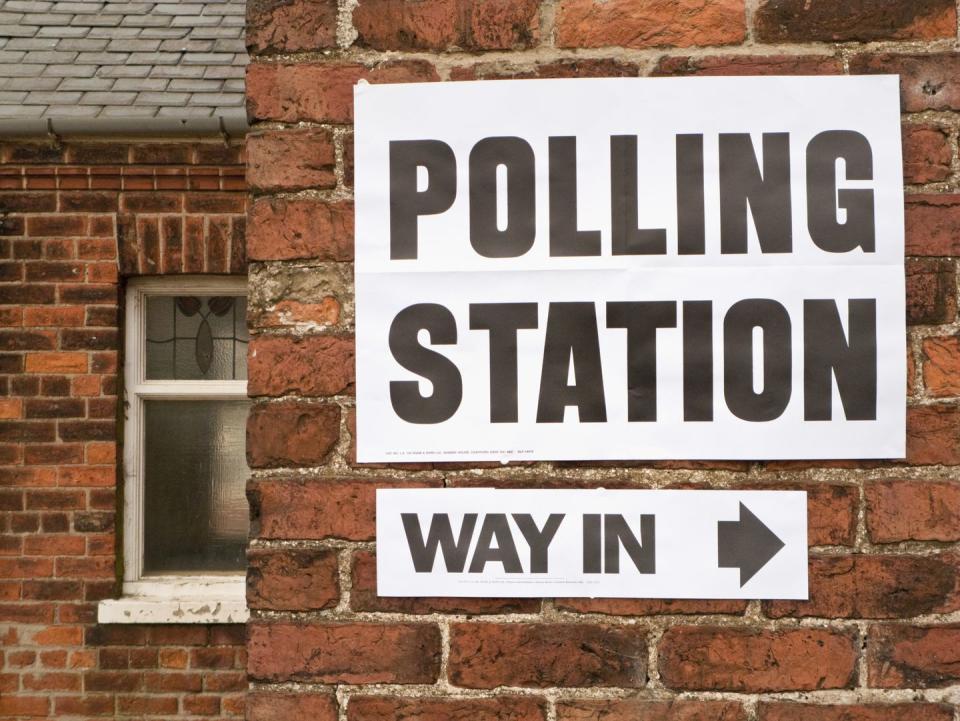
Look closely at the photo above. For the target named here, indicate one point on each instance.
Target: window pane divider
(190, 389)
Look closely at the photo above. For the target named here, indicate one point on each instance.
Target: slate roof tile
(121, 58)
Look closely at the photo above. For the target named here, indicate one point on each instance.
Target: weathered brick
(441, 24)
(748, 65)
(487, 655)
(295, 508)
(291, 159)
(316, 365)
(927, 156)
(696, 658)
(927, 81)
(291, 434)
(635, 709)
(913, 657)
(941, 366)
(932, 225)
(364, 596)
(913, 510)
(321, 93)
(291, 26)
(827, 21)
(860, 586)
(344, 652)
(292, 579)
(649, 607)
(265, 706)
(931, 291)
(292, 229)
(933, 435)
(787, 711)
(649, 23)
(502, 708)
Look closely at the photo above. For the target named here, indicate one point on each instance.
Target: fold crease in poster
(631, 268)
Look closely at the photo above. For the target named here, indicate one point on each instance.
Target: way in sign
(591, 543)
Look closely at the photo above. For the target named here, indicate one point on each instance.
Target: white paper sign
(592, 543)
(634, 268)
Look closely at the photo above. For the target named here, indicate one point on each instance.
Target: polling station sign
(630, 268)
(591, 543)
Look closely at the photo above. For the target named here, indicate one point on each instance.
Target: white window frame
(168, 598)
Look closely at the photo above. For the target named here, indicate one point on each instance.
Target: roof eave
(231, 126)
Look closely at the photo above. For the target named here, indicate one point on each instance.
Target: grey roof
(122, 59)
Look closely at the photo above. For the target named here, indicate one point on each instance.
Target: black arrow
(746, 544)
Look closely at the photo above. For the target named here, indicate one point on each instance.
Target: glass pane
(195, 507)
(197, 337)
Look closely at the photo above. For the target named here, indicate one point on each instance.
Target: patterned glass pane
(195, 472)
(196, 337)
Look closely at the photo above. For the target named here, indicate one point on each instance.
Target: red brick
(11, 408)
(748, 65)
(503, 708)
(265, 706)
(932, 225)
(291, 27)
(11, 706)
(913, 510)
(933, 435)
(927, 156)
(292, 579)
(941, 366)
(566, 68)
(166, 682)
(56, 362)
(144, 705)
(201, 705)
(51, 682)
(300, 509)
(487, 655)
(54, 546)
(282, 229)
(57, 316)
(291, 434)
(218, 657)
(19, 340)
(54, 454)
(634, 709)
(695, 658)
(316, 365)
(56, 225)
(928, 81)
(292, 313)
(649, 607)
(16, 202)
(931, 291)
(861, 586)
(828, 21)
(649, 23)
(364, 597)
(344, 653)
(875, 712)
(442, 24)
(291, 159)
(87, 705)
(912, 657)
(321, 92)
(295, 508)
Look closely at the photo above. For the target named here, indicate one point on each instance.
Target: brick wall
(75, 220)
(879, 639)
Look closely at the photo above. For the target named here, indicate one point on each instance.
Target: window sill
(194, 600)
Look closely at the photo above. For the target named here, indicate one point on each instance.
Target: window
(185, 509)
